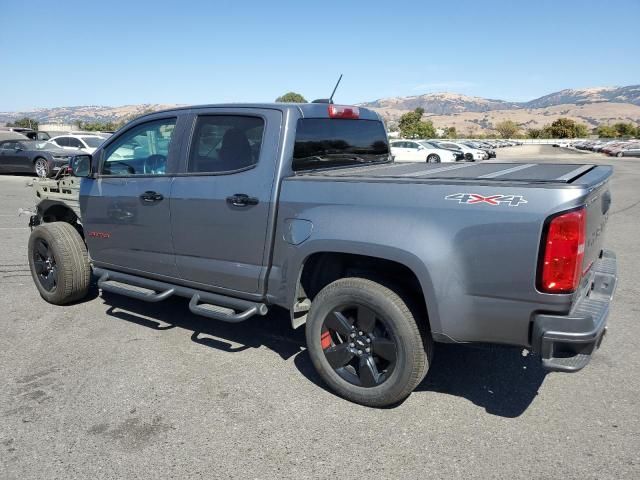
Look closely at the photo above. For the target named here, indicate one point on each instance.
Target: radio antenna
(334, 89)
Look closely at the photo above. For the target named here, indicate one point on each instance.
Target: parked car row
(442, 151)
(614, 148)
(22, 152)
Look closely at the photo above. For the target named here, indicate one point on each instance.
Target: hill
(469, 115)
(474, 115)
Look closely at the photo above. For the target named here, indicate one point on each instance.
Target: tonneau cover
(508, 172)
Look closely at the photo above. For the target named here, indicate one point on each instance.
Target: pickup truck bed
(533, 173)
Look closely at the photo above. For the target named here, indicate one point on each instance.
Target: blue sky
(121, 52)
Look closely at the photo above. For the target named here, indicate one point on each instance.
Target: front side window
(224, 143)
(75, 143)
(142, 150)
(92, 142)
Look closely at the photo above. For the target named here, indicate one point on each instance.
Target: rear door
(415, 152)
(401, 152)
(126, 213)
(220, 203)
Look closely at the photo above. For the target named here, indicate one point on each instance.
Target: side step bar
(207, 304)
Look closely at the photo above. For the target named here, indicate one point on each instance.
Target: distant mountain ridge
(476, 115)
(468, 114)
(85, 113)
(447, 103)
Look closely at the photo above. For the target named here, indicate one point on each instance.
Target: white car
(84, 143)
(470, 154)
(421, 151)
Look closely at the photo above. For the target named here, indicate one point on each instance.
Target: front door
(126, 209)
(8, 156)
(220, 204)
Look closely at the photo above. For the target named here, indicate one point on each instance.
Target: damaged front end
(58, 198)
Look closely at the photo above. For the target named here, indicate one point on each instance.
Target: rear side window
(62, 141)
(332, 142)
(224, 143)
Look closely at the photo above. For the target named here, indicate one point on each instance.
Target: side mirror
(81, 165)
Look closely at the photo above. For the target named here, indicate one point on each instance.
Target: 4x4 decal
(474, 198)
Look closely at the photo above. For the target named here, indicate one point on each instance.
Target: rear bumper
(566, 342)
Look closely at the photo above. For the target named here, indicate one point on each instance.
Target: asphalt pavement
(112, 388)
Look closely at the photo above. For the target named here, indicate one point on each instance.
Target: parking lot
(116, 388)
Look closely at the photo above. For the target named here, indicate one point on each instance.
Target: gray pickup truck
(240, 208)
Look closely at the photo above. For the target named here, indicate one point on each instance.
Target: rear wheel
(433, 158)
(365, 343)
(59, 263)
(619, 154)
(41, 167)
(468, 157)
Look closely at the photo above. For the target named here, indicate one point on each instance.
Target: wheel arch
(398, 268)
(56, 211)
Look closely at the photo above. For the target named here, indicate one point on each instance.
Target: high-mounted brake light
(563, 253)
(343, 111)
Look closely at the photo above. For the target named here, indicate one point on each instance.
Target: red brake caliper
(325, 340)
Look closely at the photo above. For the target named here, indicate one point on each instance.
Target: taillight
(343, 111)
(563, 252)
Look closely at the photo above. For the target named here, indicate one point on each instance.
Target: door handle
(151, 197)
(242, 200)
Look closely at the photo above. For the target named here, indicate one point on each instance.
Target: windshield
(92, 142)
(331, 143)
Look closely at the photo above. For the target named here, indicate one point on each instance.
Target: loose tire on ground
(59, 263)
(395, 322)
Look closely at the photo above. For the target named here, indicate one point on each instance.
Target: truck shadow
(496, 378)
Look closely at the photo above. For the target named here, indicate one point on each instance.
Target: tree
(606, 131)
(291, 97)
(25, 122)
(411, 125)
(534, 133)
(625, 129)
(566, 128)
(450, 132)
(507, 128)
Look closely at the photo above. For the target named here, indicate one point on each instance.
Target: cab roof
(306, 110)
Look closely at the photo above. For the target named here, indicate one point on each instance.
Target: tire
(41, 167)
(468, 157)
(387, 382)
(433, 158)
(59, 263)
(619, 154)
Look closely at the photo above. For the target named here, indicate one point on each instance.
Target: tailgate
(597, 207)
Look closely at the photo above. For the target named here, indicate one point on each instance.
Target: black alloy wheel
(45, 265)
(358, 345)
